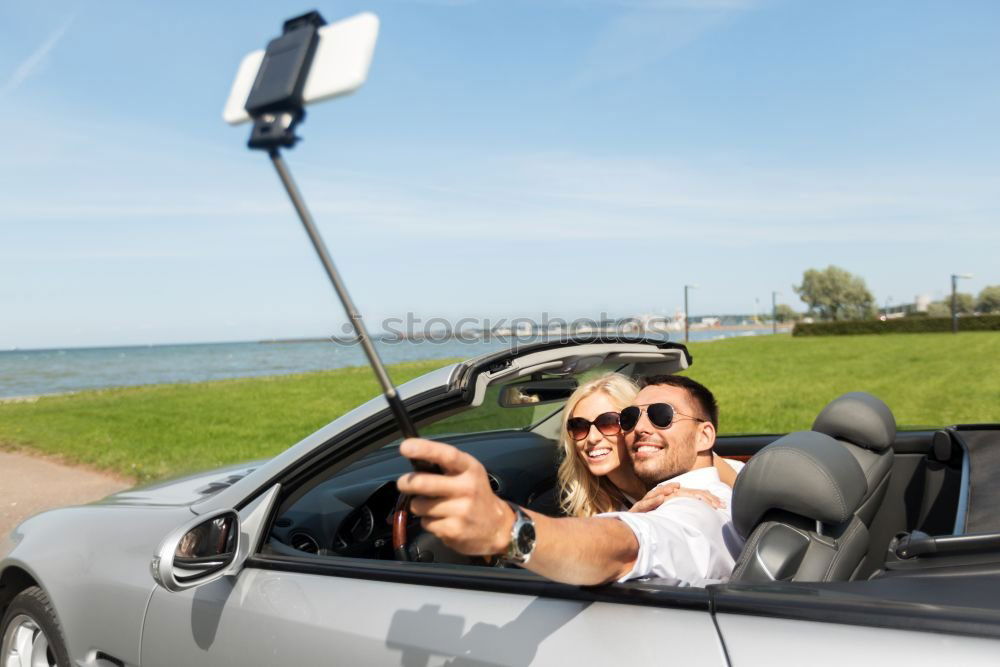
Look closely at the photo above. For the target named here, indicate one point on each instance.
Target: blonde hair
(580, 492)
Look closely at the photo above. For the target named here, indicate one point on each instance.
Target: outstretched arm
(582, 551)
(459, 507)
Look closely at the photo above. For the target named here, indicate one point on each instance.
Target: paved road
(29, 485)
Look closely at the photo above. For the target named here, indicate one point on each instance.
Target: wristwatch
(522, 537)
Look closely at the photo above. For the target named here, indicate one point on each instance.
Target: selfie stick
(275, 105)
(388, 389)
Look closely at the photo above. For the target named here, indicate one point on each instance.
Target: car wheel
(31, 636)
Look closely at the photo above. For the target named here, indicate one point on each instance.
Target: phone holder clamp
(276, 99)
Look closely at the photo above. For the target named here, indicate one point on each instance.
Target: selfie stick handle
(388, 389)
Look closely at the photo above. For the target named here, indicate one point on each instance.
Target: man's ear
(705, 438)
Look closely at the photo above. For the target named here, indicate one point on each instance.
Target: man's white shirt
(686, 541)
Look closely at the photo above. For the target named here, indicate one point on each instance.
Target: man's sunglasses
(661, 415)
(607, 423)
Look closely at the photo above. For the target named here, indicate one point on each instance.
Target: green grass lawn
(770, 384)
(156, 431)
(776, 384)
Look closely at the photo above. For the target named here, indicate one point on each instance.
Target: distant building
(919, 305)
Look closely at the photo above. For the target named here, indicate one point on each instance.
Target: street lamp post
(687, 323)
(954, 299)
(774, 312)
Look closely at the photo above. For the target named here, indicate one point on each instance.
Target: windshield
(492, 416)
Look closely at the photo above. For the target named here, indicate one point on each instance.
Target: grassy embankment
(766, 384)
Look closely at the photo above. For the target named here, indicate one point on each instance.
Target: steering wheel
(425, 546)
(400, 517)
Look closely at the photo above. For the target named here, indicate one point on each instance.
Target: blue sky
(504, 159)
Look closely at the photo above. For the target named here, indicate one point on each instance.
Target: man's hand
(458, 506)
(663, 492)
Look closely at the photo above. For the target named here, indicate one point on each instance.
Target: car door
(286, 613)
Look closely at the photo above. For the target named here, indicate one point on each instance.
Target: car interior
(852, 498)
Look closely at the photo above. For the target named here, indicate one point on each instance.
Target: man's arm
(460, 508)
(582, 551)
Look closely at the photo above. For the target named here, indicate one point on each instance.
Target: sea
(27, 373)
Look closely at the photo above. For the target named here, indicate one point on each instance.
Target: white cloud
(650, 31)
(445, 3)
(547, 196)
(30, 65)
(539, 196)
(706, 5)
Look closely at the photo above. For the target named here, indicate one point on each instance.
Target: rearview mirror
(537, 392)
(198, 552)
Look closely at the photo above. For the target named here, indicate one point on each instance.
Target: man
(684, 540)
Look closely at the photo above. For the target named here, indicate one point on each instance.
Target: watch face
(526, 538)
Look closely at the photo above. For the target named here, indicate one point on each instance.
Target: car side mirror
(198, 552)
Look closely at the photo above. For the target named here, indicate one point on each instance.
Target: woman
(595, 474)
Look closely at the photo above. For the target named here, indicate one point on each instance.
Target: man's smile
(647, 447)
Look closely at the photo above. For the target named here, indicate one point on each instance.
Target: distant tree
(989, 300)
(939, 309)
(835, 294)
(785, 313)
(965, 304)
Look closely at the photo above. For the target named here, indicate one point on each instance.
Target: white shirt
(685, 540)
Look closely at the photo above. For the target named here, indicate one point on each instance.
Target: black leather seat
(866, 425)
(796, 503)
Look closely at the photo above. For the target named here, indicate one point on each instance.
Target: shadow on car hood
(183, 490)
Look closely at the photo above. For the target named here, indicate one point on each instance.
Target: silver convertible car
(864, 545)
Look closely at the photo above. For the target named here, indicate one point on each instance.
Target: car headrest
(805, 473)
(859, 418)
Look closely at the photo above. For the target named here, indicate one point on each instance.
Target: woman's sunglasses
(661, 415)
(607, 423)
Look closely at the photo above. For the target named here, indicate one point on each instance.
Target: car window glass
(491, 416)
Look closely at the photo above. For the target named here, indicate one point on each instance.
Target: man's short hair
(698, 392)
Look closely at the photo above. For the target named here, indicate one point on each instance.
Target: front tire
(30, 635)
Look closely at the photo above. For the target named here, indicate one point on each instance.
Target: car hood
(183, 490)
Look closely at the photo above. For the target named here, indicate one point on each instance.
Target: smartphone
(340, 66)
